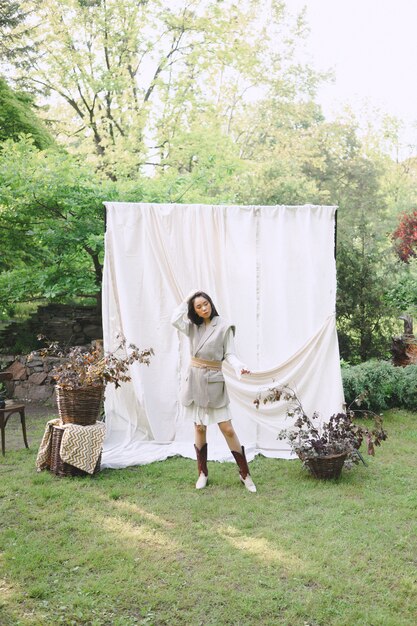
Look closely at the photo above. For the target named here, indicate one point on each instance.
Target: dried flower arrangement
(337, 436)
(91, 367)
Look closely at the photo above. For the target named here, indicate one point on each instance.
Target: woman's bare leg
(238, 453)
(201, 452)
(230, 435)
(200, 433)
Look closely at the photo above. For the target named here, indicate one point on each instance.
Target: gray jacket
(205, 387)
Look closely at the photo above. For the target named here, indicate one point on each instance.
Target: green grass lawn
(142, 546)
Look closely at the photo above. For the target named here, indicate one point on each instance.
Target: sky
(371, 45)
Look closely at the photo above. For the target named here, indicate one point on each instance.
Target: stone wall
(69, 325)
(31, 377)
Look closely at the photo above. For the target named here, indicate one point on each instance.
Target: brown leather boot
(202, 466)
(245, 476)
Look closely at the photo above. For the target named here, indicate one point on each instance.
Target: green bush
(383, 385)
(407, 388)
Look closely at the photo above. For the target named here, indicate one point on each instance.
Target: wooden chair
(7, 412)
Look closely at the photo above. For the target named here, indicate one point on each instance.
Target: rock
(18, 371)
(93, 332)
(6, 360)
(37, 393)
(34, 362)
(38, 378)
(78, 340)
(51, 361)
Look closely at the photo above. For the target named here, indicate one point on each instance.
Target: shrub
(381, 384)
(407, 387)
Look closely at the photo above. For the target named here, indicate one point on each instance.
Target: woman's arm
(179, 320)
(230, 355)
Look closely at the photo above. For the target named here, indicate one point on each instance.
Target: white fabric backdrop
(269, 269)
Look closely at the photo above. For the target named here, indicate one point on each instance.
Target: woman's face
(202, 307)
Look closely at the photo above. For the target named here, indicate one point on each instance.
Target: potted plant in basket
(82, 373)
(324, 449)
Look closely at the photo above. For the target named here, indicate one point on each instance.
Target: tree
(352, 181)
(129, 77)
(108, 61)
(17, 117)
(275, 145)
(405, 236)
(11, 30)
(402, 294)
(51, 226)
(365, 316)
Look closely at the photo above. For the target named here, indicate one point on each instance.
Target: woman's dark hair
(192, 315)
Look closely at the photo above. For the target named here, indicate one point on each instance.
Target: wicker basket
(57, 465)
(326, 466)
(79, 406)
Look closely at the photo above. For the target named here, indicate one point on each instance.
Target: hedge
(383, 385)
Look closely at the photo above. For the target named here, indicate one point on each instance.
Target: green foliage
(364, 256)
(401, 295)
(17, 118)
(407, 388)
(12, 16)
(202, 167)
(365, 319)
(25, 342)
(51, 225)
(381, 385)
(275, 141)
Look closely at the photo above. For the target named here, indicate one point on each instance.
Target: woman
(205, 396)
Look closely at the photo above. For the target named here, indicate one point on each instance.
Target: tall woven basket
(79, 406)
(326, 467)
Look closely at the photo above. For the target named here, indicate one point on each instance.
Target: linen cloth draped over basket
(270, 270)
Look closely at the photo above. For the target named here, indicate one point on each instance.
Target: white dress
(206, 415)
